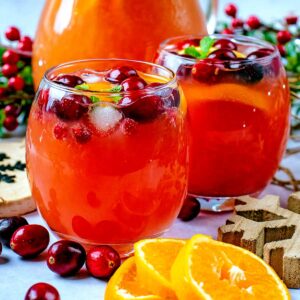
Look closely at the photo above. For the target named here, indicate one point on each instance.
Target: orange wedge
(154, 259)
(207, 269)
(123, 285)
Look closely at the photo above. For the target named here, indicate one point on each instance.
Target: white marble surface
(17, 274)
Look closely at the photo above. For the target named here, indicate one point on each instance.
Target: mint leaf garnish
(205, 44)
(83, 86)
(192, 51)
(116, 89)
(116, 99)
(95, 99)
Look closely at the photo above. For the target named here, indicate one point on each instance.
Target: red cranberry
(10, 123)
(42, 98)
(188, 43)
(227, 31)
(184, 71)
(66, 258)
(10, 57)
(26, 39)
(190, 209)
(102, 261)
(81, 134)
(11, 110)
(12, 33)
(248, 73)
(8, 226)
(259, 53)
(2, 92)
(291, 20)
(222, 54)
(128, 126)
(42, 291)
(208, 70)
(133, 83)
(231, 10)
(283, 36)
(29, 240)
(71, 107)
(60, 131)
(225, 44)
(237, 23)
(16, 83)
(281, 50)
(117, 75)
(253, 22)
(144, 109)
(25, 44)
(9, 70)
(68, 80)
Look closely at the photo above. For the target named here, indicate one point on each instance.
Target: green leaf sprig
(205, 44)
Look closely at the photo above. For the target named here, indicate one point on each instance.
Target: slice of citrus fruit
(123, 285)
(208, 269)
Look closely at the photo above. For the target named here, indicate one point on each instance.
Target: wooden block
(294, 202)
(15, 196)
(268, 230)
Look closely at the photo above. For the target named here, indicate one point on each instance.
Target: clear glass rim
(233, 37)
(170, 82)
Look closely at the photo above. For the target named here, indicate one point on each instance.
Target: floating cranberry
(8, 226)
(12, 33)
(253, 22)
(71, 107)
(66, 258)
(263, 52)
(60, 131)
(231, 10)
(281, 50)
(250, 73)
(29, 240)
(291, 20)
(237, 23)
(102, 261)
(222, 54)
(9, 70)
(283, 37)
(225, 44)
(208, 70)
(128, 126)
(10, 123)
(188, 43)
(42, 291)
(16, 83)
(190, 209)
(12, 110)
(2, 92)
(81, 134)
(133, 83)
(227, 31)
(10, 57)
(117, 75)
(68, 80)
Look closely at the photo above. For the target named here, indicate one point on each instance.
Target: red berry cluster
(16, 82)
(64, 257)
(253, 23)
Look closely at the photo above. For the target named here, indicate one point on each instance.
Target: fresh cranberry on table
(10, 57)
(190, 209)
(225, 44)
(222, 54)
(2, 92)
(12, 33)
(253, 22)
(16, 83)
(133, 83)
(12, 110)
(237, 23)
(227, 31)
(10, 123)
(102, 261)
(42, 291)
(68, 80)
(9, 70)
(281, 50)
(231, 10)
(29, 240)
(71, 107)
(8, 226)
(25, 44)
(291, 20)
(283, 37)
(259, 53)
(65, 257)
(117, 75)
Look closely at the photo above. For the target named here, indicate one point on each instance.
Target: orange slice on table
(123, 285)
(208, 269)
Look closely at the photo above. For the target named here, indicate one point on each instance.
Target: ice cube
(105, 117)
(90, 76)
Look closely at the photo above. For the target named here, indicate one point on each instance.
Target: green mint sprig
(205, 44)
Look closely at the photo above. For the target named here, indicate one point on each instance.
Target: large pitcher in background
(76, 29)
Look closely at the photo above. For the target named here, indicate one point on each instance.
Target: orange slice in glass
(208, 269)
